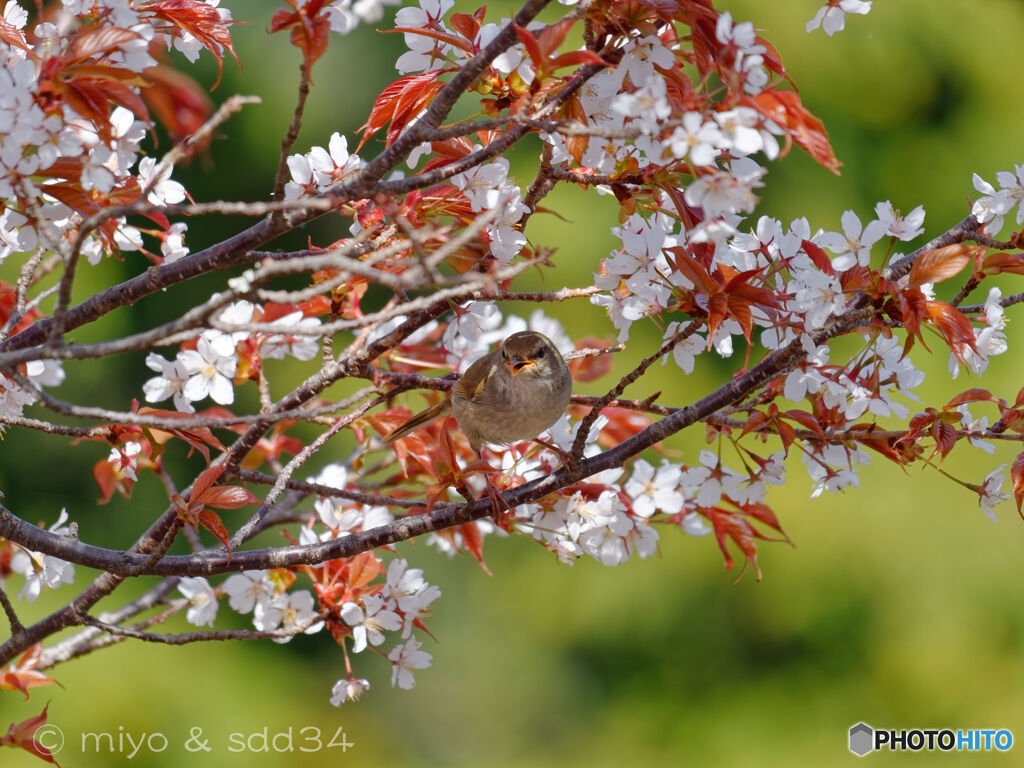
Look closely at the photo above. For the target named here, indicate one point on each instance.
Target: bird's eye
(540, 352)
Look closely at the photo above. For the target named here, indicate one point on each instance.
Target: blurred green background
(899, 606)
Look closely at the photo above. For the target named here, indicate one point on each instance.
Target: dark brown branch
(293, 131)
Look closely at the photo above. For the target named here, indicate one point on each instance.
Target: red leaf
(693, 270)
(203, 22)
(23, 675)
(400, 102)
(819, 257)
(178, 102)
(11, 35)
(945, 437)
(728, 525)
(473, 540)
(206, 479)
(572, 58)
(211, 521)
(806, 420)
(971, 396)
(228, 497)
(22, 735)
(592, 367)
(941, 264)
(466, 25)
(755, 421)
(913, 310)
(766, 515)
(1003, 262)
(954, 326)
(532, 46)
(363, 568)
(1017, 480)
(441, 37)
(785, 109)
(99, 42)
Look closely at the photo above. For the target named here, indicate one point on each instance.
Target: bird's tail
(421, 419)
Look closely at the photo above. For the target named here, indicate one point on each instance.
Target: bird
(513, 393)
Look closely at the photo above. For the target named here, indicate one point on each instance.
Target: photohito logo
(865, 739)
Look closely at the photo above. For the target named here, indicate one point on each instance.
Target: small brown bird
(511, 394)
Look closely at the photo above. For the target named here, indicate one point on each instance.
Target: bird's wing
(473, 382)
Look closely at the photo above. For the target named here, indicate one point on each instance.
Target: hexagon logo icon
(861, 739)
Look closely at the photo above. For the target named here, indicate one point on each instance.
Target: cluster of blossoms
(209, 368)
(348, 599)
(320, 168)
(609, 517)
(54, 127)
(70, 137)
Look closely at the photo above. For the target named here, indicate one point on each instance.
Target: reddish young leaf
(693, 270)
(807, 421)
(592, 367)
(211, 521)
(1017, 480)
(819, 257)
(785, 109)
(728, 525)
(22, 675)
(23, 735)
(98, 42)
(399, 103)
(755, 421)
(12, 35)
(913, 311)
(473, 540)
(1003, 262)
(971, 396)
(198, 438)
(436, 34)
(945, 437)
(228, 497)
(178, 102)
(941, 264)
(467, 25)
(532, 46)
(954, 326)
(363, 568)
(203, 22)
(765, 514)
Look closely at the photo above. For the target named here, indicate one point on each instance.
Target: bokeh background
(899, 604)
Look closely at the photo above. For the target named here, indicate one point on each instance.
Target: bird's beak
(519, 364)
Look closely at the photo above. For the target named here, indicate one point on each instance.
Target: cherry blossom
(202, 600)
(170, 383)
(655, 490)
(348, 689)
(831, 17)
(899, 226)
(44, 571)
(291, 612)
(990, 493)
(406, 659)
(210, 365)
(245, 590)
(369, 621)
